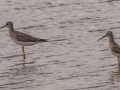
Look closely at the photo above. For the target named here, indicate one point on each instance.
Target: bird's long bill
(2, 27)
(102, 38)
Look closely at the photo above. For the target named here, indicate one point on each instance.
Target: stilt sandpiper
(113, 46)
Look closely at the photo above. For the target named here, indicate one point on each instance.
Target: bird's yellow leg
(118, 63)
(24, 56)
(118, 58)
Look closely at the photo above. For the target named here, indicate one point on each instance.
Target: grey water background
(73, 59)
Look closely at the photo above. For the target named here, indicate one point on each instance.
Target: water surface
(73, 59)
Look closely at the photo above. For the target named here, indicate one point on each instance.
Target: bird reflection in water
(23, 75)
(24, 63)
(114, 78)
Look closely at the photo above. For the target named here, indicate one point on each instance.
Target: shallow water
(73, 59)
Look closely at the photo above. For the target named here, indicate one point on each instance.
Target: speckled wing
(116, 49)
(28, 38)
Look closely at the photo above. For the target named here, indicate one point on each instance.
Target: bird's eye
(7, 24)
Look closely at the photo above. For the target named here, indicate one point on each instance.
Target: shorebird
(113, 46)
(22, 39)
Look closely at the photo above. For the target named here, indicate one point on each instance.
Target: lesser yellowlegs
(113, 46)
(22, 39)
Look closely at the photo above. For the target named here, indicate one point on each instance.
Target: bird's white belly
(23, 43)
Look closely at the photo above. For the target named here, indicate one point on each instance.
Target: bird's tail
(43, 40)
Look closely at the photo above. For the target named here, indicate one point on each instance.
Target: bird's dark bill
(2, 27)
(102, 38)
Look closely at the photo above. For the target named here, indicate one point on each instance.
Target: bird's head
(109, 34)
(8, 24)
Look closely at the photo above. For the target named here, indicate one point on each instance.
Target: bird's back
(115, 49)
(23, 37)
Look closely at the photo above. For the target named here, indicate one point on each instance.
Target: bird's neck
(11, 29)
(111, 39)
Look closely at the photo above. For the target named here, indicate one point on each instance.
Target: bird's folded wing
(116, 49)
(26, 38)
